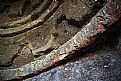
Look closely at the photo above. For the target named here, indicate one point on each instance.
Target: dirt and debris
(28, 46)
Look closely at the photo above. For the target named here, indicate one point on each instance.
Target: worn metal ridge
(101, 22)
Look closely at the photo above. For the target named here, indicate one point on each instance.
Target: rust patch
(91, 34)
(36, 71)
(85, 41)
(55, 59)
(46, 66)
(77, 48)
(100, 27)
(67, 49)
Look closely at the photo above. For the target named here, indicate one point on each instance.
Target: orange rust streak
(84, 42)
(79, 46)
(44, 67)
(101, 28)
(67, 49)
(75, 49)
(36, 72)
(54, 59)
(91, 34)
(87, 39)
(51, 61)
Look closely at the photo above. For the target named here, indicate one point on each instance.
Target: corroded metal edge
(99, 24)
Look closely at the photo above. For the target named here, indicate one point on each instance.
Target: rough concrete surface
(63, 24)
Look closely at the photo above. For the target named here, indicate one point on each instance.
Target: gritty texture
(39, 36)
(99, 24)
(105, 67)
(100, 65)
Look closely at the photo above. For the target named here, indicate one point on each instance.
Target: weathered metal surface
(99, 23)
(103, 66)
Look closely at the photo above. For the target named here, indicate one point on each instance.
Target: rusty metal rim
(101, 22)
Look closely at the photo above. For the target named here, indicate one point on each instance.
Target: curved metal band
(99, 23)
